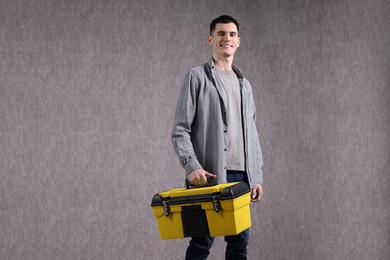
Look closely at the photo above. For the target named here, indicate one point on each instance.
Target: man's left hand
(257, 193)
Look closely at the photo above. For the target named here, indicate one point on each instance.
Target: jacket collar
(234, 67)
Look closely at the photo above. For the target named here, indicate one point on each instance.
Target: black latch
(166, 207)
(216, 203)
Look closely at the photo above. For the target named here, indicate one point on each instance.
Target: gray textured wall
(88, 90)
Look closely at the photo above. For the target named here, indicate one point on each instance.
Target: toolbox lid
(224, 191)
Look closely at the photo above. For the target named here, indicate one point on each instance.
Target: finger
(203, 179)
(210, 175)
(191, 179)
(255, 199)
(254, 193)
(259, 194)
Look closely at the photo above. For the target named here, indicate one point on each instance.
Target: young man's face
(224, 39)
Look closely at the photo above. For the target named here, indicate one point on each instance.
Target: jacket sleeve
(184, 117)
(259, 160)
(259, 155)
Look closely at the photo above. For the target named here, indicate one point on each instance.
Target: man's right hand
(199, 177)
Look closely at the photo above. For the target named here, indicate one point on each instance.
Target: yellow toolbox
(218, 210)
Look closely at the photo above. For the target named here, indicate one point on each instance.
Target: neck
(223, 63)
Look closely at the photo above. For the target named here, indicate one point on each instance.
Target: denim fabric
(199, 248)
(236, 248)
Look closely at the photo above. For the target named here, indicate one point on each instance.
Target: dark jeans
(199, 247)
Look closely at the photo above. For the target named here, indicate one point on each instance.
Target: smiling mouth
(226, 45)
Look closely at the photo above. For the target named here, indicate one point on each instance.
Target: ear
(209, 39)
(239, 41)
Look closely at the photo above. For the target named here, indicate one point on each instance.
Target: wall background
(87, 95)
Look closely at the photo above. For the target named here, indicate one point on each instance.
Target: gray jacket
(199, 133)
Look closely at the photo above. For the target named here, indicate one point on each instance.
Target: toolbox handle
(192, 186)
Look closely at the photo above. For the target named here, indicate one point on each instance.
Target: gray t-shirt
(232, 93)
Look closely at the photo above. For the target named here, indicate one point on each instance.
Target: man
(214, 133)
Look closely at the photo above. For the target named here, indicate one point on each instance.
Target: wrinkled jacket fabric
(199, 133)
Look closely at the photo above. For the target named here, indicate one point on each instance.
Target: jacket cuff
(192, 165)
(260, 181)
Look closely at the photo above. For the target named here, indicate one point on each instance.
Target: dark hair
(223, 19)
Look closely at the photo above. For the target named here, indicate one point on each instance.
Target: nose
(226, 37)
